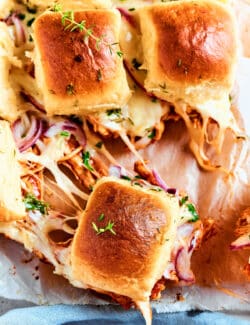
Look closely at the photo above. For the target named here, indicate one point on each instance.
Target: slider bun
(74, 74)
(190, 49)
(130, 262)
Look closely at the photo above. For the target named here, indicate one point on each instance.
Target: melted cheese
(50, 155)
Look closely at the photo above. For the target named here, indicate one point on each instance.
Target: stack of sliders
(67, 70)
(180, 59)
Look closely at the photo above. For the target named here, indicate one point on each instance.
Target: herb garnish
(69, 23)
(183, 200)
(101, 217)
(115, 115)
(32, 204)
(65, 134)
(152, 134)
(108, 227)
(192, 210)
(125, 177)
(85, 159)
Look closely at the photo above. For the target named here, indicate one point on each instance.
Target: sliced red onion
(241, 243)
(186, 230)
(117, 171)
(34, 102)
(26, 137)
(66, 125)
(159, 180)
(182, 266)
(129, 18)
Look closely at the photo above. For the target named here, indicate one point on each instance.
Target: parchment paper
(221, 284)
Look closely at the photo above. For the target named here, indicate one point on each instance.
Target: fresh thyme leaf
(99, 144)
(183, 200)
(192, 210)
(85, 159)
(95, 227)
(119, 53)
(69, 23)
(32, 203)
(108, 227)
(65, 134)
(101, 217)
(116, 111)
(131, 9)
(126, 177)
(152, 134)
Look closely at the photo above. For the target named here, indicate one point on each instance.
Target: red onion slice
(241, 243)
(66, 125)
(159, 180)
(182, 266)
(129, 18)
(27, 138)
(115, 171)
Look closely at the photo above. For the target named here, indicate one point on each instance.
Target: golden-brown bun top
(69, 60)
(195, 40)
(132, 260)
(85, 73)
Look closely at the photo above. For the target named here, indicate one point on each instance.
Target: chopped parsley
(65, 134)
(101, 217)
(85, 159)
(32, 204)
(183, 200)
(126, 178)
(152, 134)
(194, 213)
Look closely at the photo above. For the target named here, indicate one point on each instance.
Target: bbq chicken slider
(125, 241)
(190, 51)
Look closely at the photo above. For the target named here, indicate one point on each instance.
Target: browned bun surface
(86, 72)
(130, 257)
(195, 40)
(72, 62)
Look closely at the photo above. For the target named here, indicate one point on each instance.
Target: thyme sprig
(108, 227)
(69, 23)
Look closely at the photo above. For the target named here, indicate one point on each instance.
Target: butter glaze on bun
(76, 71)
(131, 261)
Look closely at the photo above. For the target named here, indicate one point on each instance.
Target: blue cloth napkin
(112, 315)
